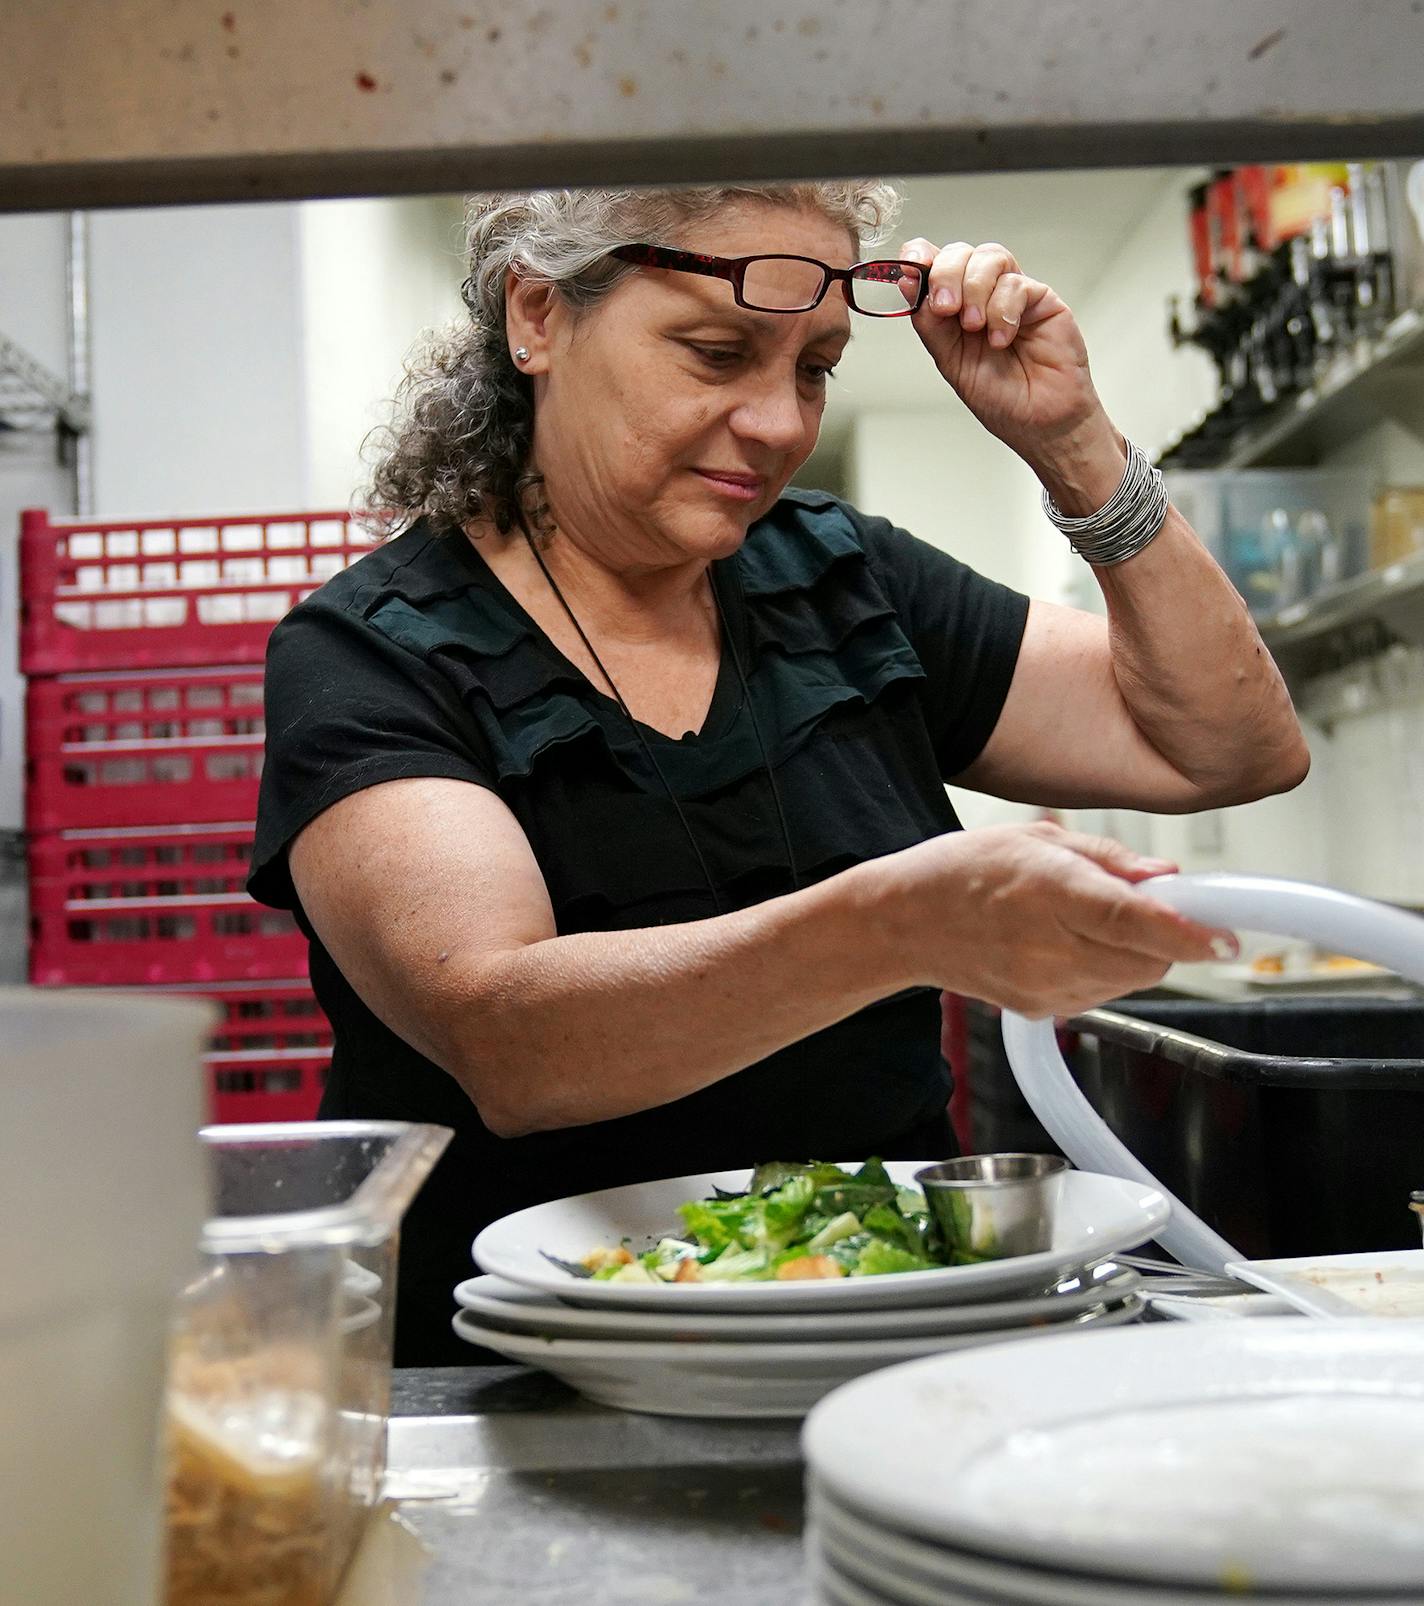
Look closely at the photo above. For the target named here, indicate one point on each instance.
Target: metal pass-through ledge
(528, 1496)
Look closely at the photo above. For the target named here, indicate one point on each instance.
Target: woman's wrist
(880, 902)
(1082, 469)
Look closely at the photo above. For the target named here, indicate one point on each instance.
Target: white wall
(1149, 388)
(940, 476)
(197, 371)
(374, 276)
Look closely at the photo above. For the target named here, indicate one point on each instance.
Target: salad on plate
(793, 1221)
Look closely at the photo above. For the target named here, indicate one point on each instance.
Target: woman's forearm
(426, 895)
(590, 1026)
(1187, 657)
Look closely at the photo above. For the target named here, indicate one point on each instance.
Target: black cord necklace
(728, 636)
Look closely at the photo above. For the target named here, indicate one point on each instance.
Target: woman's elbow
(507, 1100)
(1289, 765)
(1282, 770)
(1297, 765)
(484, 1086)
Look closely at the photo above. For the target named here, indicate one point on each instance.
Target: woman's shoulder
(419, 564)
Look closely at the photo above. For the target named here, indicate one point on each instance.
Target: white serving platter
(1385, 1282)
(740, 1380)
(496, 1303)
(1280, 1455)
(1096, 1217)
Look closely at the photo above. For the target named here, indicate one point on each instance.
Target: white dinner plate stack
(1157, 1466)
(773, 1349)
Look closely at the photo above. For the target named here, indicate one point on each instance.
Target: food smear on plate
(794, 1221)
(1391, 1291)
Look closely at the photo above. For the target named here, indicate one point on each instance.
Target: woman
(610, 791)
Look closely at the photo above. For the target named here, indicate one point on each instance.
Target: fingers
(987, 264)
(1100, 973)
(1010, 305)
(1126, 918)
(1106, 851)
(980, 285)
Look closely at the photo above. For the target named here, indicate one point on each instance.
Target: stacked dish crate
(143, 643)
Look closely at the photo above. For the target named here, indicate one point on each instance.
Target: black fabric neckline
(723, 710)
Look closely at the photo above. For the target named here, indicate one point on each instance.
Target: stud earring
(521, 354)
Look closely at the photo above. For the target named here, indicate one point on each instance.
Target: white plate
(1096, 1217)
(745, 1380)
(496, 1303)
(1216, 1307)
(1289, 1454)
(913, 1572)
(1385, 1282)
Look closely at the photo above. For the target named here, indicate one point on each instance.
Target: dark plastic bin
(1292, 1126)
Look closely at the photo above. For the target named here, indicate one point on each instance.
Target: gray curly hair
(458, 448)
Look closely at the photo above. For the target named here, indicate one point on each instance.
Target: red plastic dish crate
(164, 593)
(125, 907)
(143, 748)
(269, 1058)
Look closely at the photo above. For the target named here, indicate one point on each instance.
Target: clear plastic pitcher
(279, 1385)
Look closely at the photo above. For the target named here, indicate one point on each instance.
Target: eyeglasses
(778, 283)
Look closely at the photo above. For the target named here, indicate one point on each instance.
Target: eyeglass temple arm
(662, 256)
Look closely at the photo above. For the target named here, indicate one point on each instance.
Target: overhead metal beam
(120, 102)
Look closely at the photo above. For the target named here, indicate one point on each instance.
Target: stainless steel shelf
(1361, 386)
(1354, 390)
(32, 399)
(1349, 619)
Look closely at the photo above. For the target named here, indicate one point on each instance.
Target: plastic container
(163, 593)
(103, 1196)
(1290, 1125)
(279, 1377)
(143, 748)
(1280, 534)
(136, 906)
(1396, 526)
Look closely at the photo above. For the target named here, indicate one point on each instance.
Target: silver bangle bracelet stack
(1122, 527)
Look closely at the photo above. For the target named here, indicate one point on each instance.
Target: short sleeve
(965, 629)
(346, 709)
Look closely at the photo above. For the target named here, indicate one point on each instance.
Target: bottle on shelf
(1292, 266)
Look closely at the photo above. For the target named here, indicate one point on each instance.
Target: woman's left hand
(1008, 345)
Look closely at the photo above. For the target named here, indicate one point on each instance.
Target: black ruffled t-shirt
(877, 665)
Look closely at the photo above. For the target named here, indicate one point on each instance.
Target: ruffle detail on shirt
(817, 634)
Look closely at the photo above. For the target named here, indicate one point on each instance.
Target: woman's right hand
(1037, 919)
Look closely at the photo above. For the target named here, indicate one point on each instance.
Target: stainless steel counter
(527, 1494)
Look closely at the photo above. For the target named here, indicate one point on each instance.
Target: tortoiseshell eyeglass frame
(734, 270)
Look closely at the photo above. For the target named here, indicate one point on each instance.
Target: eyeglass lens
(782, 284)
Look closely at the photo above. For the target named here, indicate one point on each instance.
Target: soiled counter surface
(527, 1494)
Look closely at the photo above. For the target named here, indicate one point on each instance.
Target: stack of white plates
(1156, 1466)
(773, 1349)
